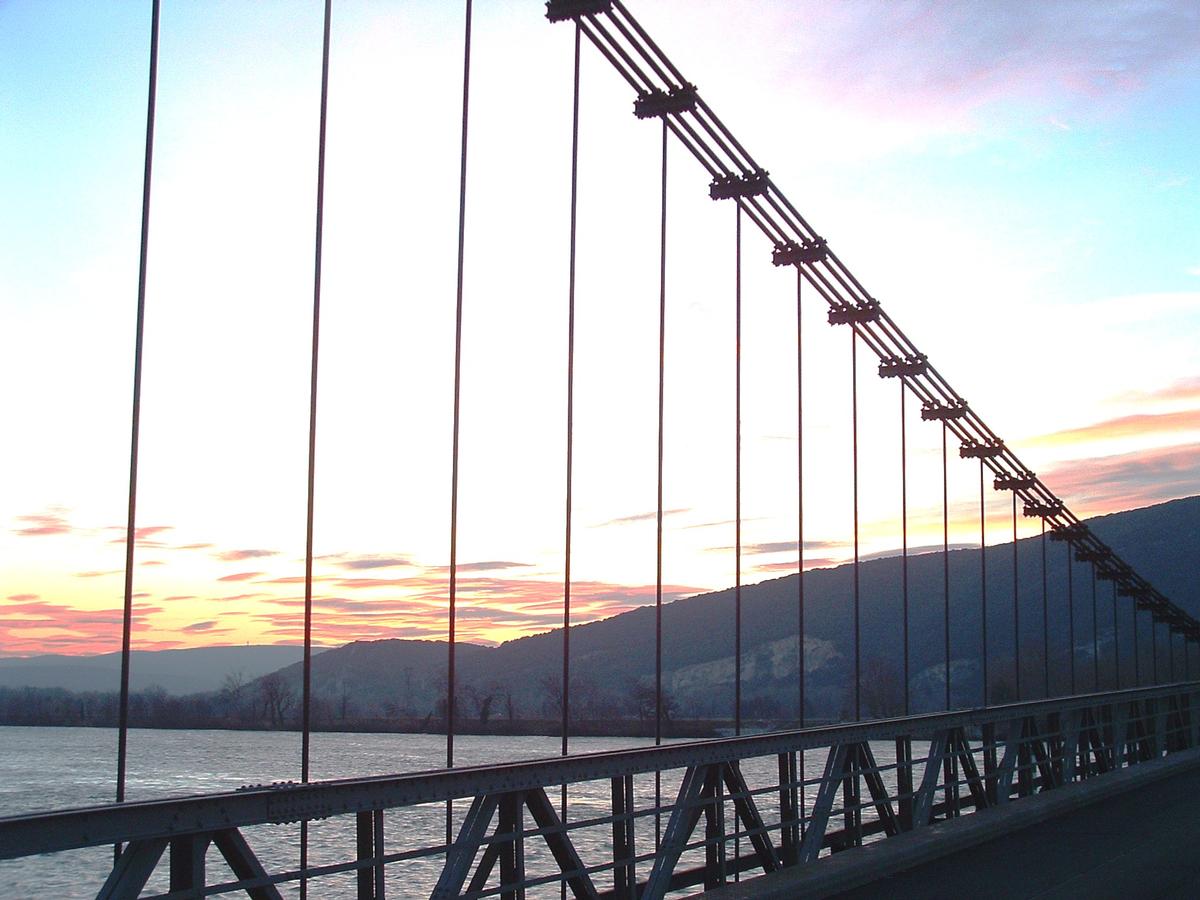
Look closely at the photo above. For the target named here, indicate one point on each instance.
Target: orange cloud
(1137, 425)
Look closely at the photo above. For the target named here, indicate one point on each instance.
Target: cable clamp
(907, 366)
(1009, 481)
(562, 10)
(932, 411)
(854, 313)
(1071, 533)
(1043, 510)
(730, 186)
(793, 254)
(972, 449)
(659, 103)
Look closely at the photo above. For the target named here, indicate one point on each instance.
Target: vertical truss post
(1006, 769)
(512, 850)
(950, 776)
(187, 861)
(989, 761)
(624, 867)
(789, 810)
(714, 829)
(904, 782)
(369, 842)
(1071, 725)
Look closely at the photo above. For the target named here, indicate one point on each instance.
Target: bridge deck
(1137, 844)
(1132, 835)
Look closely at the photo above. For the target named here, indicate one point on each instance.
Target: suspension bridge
(809, 810)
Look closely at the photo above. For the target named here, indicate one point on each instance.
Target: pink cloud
(240, 576)
(52, 522)
(240, 555)
(1128, 480)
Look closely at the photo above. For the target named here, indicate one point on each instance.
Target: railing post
(904, 782)
(624, 871)
(369, 840)
(789, 810)
(187, 861)
(989, 761)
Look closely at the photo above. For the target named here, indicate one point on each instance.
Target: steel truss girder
(1042, 745)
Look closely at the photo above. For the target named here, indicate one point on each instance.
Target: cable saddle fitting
(977, 450)
(1039, 510)
(658, 103)
(932, 411)
(562, 10)
(908, 366)
(736, 187)
(793, 254)
(854, 313)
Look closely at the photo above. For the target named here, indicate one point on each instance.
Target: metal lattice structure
(749, 790)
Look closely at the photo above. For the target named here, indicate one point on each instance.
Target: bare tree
(277, 697)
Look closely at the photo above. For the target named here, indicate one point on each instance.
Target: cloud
(489, 608)
(96, 573)
(1181, 390)
(1128, 480)
(642, 517)
(1137, 425)
(770, 547)
(52, 522)
(143, 536)
(487, 566)
(197, 627)
(30, 625)
(240, 555)
(373, 562)
(240, 576)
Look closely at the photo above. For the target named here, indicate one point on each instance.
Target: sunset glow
(1017, 184)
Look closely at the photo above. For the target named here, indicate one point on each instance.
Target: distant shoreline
(693, 729)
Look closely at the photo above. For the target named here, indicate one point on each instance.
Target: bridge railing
(766, 801)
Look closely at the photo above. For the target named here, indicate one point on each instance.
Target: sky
(1018, 183)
